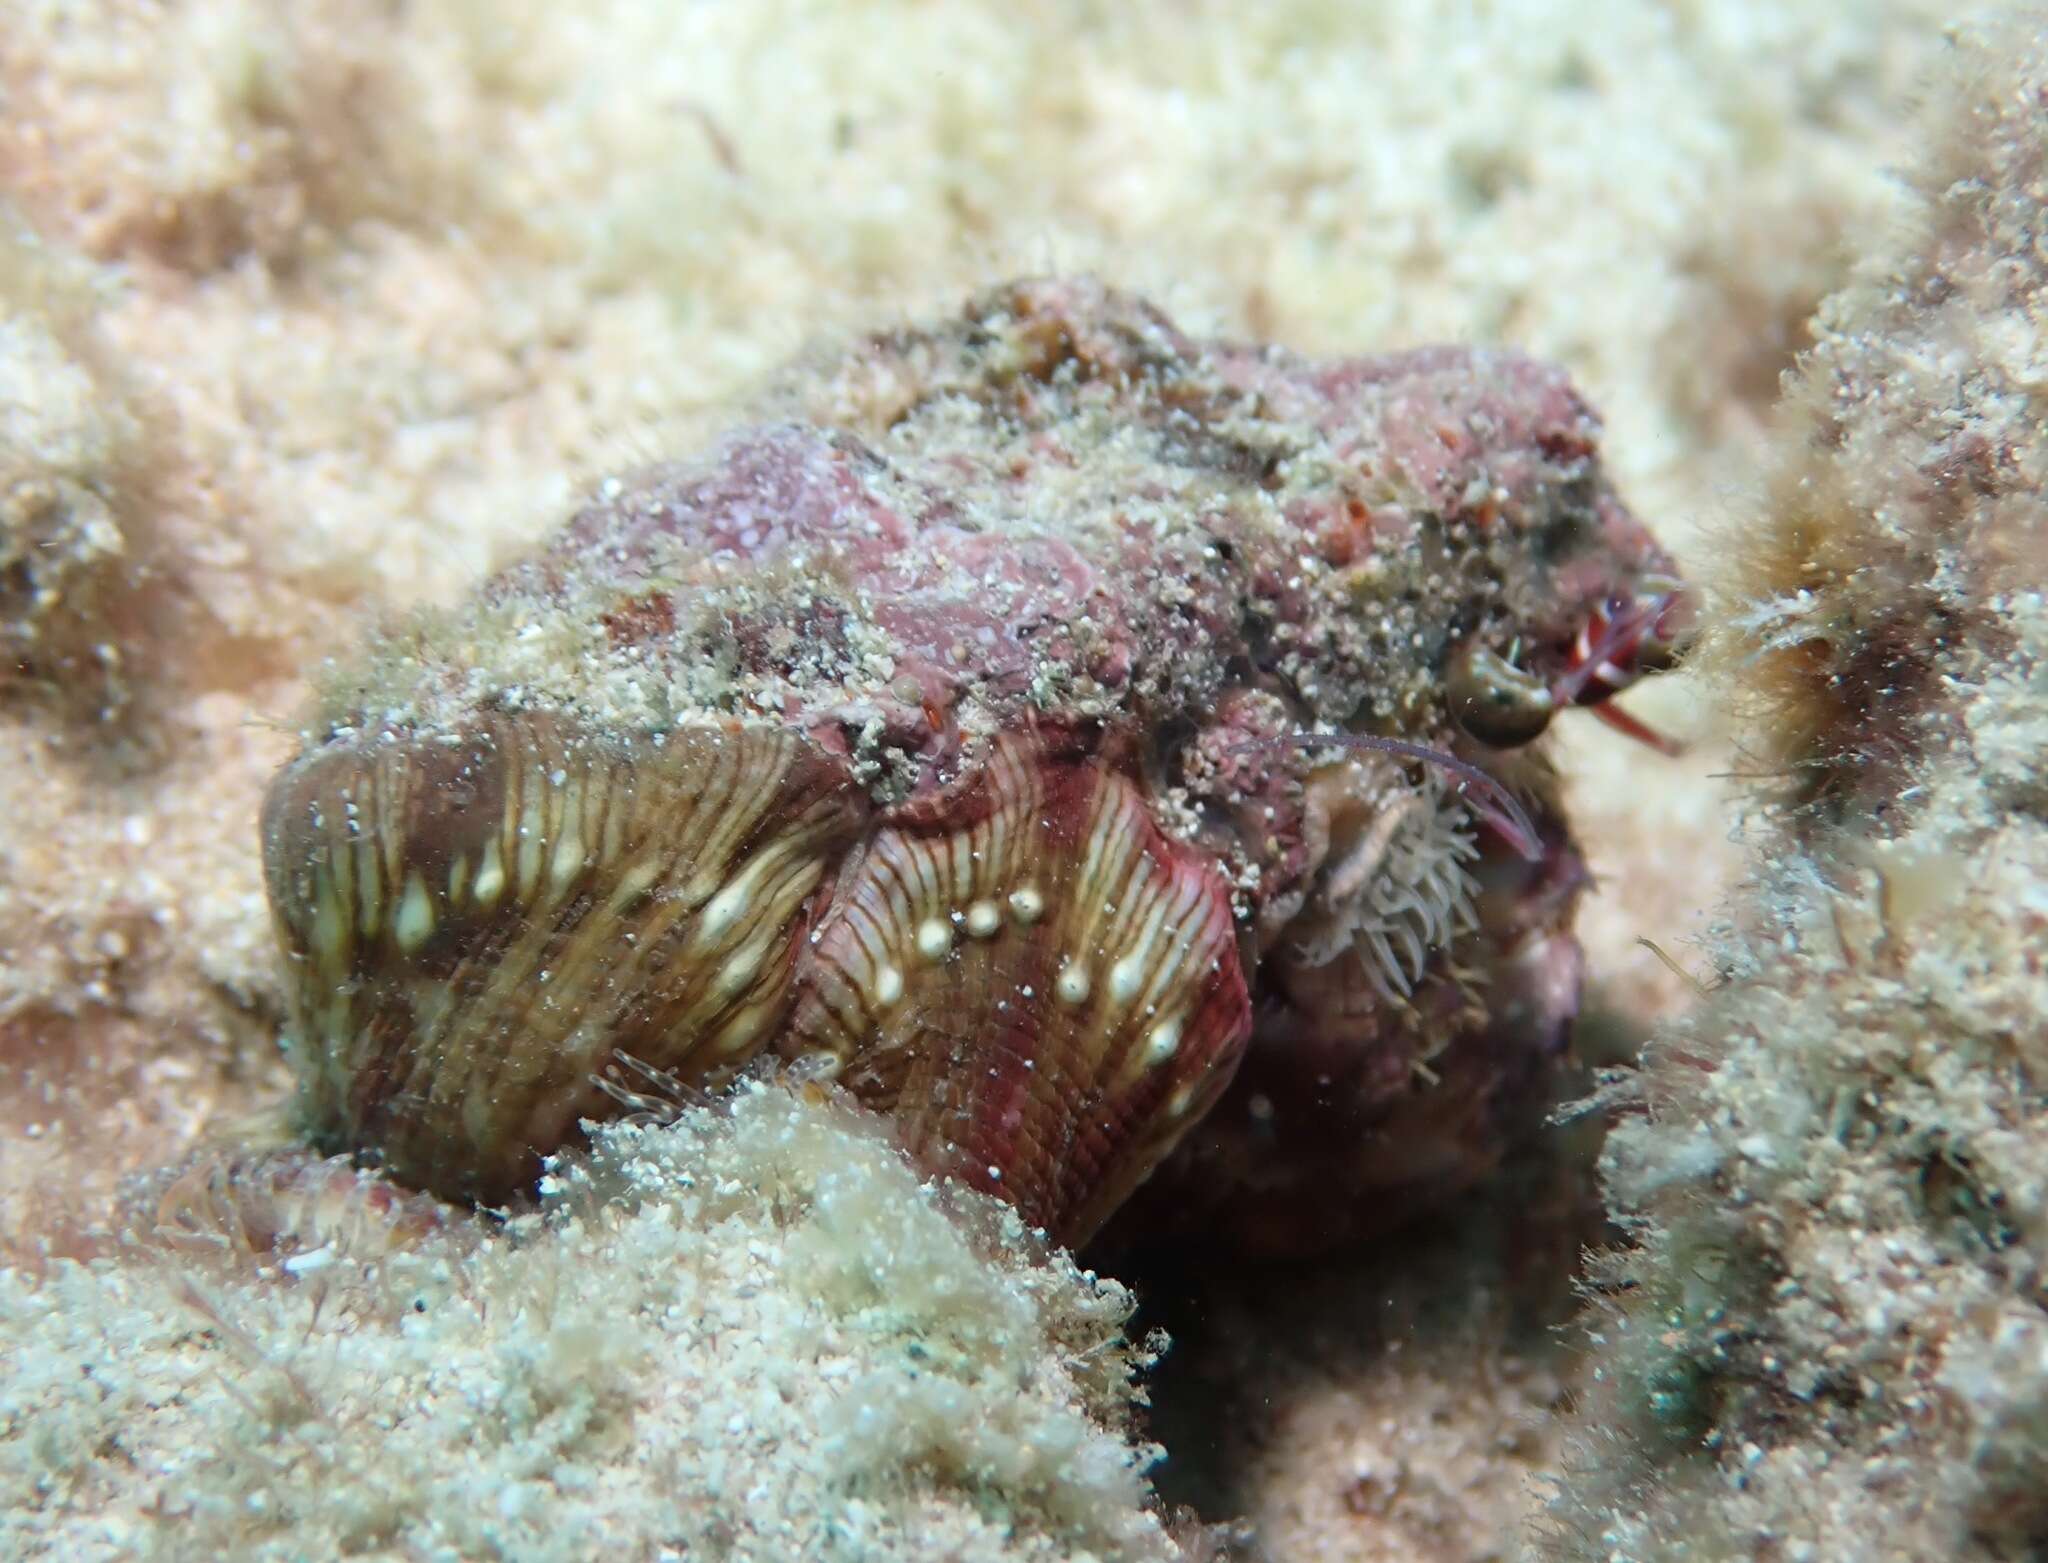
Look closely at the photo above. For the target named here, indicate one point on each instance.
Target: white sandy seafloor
(309, 314)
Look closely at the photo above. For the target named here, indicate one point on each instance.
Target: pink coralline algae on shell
(943, 730)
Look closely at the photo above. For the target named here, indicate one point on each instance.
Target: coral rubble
(749, 1334)
(1829, 1338)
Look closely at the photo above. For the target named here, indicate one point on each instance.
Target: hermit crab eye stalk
(1496, 702)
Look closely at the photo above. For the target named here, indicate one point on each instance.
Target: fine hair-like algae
(1827, 1337)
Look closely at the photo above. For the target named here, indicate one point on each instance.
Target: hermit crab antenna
(1491, 801)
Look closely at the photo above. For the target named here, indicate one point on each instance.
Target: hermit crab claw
(1621, 640)
(1624, 638)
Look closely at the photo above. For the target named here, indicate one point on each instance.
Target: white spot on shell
(636, 881)
(1162, 1043)
(1072, 983)
(1125, 977)
(1027, 904)
(490, 877)
(330, 927)
(888, 987)
(567, 862)
(738, 970)
(723, 911)
(983, 919)
(934, 938)
(415, 918)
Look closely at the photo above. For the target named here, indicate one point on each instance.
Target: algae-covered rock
(748, 1334)
(1828, 1339)
(65, 438)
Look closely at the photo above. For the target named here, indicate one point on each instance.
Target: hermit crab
(1090, 747)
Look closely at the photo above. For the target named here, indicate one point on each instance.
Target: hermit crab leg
(1640, 731)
